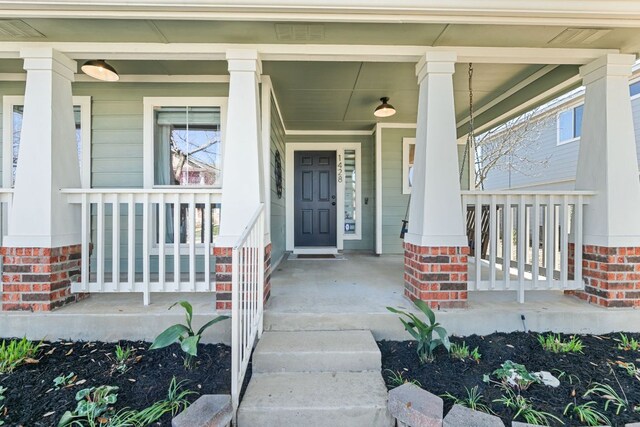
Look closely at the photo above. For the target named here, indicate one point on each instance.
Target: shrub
(423, 332)
(555, 344)
(184, 334)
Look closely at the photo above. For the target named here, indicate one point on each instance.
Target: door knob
(333, 203)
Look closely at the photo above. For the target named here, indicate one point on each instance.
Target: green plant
(93, 403)
(184, 334)
(627, 344)
(524, 409)
(555, 344)
(473, 400)
(606, 392)
(175, 402)
(570, 377)
(515, 375)
(630, 368)
(462, 352)
(17, 352)
(2, 392)
(122, 356)
(586, 413)
(64, 380)
(423, 332)
(396, 379)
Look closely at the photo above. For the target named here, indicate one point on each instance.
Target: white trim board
(339, 148)
(8, 102)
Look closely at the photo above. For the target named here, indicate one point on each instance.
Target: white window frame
(150, 103)
(632, 82)
(8, 102)
(571, 108)
(406, 143)
(339, 148)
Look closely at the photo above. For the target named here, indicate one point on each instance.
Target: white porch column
(607, 162)
(48, 158)
(242, 167)
(435, 215)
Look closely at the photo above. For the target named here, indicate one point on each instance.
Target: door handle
(333, 203)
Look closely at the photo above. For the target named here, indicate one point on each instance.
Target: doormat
(326, 257)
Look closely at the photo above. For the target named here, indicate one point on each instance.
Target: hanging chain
(471, 134)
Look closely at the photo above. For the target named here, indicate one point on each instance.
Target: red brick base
(611, 275)
(436, 275)
(223, 276)
(39, 279)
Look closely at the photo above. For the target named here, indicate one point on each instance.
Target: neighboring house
(556, 144)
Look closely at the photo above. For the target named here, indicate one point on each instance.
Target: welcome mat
(328, 257)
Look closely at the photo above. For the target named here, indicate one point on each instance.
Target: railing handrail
(528, 193)
(164, 190)
(247, 230)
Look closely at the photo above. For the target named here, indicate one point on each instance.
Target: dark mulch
(30, 396)
(449, 375)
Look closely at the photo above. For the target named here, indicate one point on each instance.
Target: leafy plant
(524, 409)
(64, 380)
(630, 368)
(473, 400)
(17, 352)
(555, 344)
(122, 356)
(423, 332)
(175, 402)
(462, 352)
(93, 403)
(586, 413)
(611, 397)
(627, 344)
(396, 379)
(184, 334)
(570, 377)
(2, 392)
(515, 375)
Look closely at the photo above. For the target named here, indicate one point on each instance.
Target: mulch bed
(30, 393)
(446, 374)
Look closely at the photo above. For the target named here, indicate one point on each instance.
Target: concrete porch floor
(353, 293)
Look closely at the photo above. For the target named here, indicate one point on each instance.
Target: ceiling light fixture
(99, 69)
(385, 109)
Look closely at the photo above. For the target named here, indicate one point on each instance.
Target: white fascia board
(310, 52)
(506, 12)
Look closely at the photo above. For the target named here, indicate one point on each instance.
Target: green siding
(278, 205)
(367, 149)
(394, 203)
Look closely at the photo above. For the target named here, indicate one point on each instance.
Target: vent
(580, 36)
(299, 32)
(18, 29)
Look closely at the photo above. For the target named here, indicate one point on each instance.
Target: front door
(315, 198)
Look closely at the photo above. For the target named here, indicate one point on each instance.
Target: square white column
(435, 213)
(607, 163)
(242, 187)
(48, 158)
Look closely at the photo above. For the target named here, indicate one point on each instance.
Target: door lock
(333, 203)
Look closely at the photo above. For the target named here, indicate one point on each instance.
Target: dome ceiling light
(384, 109)
(99, 69)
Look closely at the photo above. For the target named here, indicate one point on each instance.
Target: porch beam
(614, 13)
(311, 52)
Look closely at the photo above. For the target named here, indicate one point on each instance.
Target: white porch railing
(147, 240)
(520, 240)
(247, 298)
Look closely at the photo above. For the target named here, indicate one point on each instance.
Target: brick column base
(436, 275)
(611, 275)
(39, 279)
(223, 276)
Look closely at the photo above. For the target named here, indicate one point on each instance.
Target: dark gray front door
(315, 198)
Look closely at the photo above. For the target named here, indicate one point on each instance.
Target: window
(183, 143)
(570, 124)
(350, 192)
(13, 128)
(634, 89)
(408, 156)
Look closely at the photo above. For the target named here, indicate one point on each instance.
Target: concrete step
(316, 351)
(315, 399)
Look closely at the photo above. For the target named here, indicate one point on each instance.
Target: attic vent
(18, 29)
(580, 36)
(299, 32)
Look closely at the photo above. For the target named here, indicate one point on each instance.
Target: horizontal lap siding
(278, 206)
